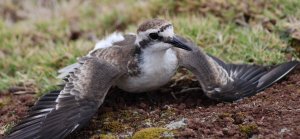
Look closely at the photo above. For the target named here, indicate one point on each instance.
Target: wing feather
(229, 82)
(253, 80)
(59, 113)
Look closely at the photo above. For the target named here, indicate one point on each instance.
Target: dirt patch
(13, 108)
(273, 113)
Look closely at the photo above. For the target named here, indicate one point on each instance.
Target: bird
(136, 63)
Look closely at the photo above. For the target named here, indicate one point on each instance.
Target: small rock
(284, 130)
(177, 124)
(168, 134)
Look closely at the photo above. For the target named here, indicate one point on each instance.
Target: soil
(13, 108)
(273, 113)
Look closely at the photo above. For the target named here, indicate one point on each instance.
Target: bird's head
(158, 35)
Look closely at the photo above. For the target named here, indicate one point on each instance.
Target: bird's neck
(155, 51)
(157, 60)
(159, 55)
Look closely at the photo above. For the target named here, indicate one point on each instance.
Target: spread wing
(250, 79)
(229, 82)
(59, 113)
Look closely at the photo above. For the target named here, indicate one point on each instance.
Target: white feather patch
(108, 41)
(104, 43)
(168, 32)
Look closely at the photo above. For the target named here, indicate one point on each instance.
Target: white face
(156, 44)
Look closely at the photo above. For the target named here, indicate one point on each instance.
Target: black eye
(153, 36)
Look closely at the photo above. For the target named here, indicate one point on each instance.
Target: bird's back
(119, 54)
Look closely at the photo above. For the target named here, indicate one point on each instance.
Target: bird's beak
(177, 42)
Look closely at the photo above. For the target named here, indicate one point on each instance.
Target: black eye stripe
(154, 35)
(144, 43)
(164, 27)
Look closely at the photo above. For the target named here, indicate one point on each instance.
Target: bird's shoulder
(120, 53)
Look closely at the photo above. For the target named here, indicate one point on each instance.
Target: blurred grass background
(38, 37)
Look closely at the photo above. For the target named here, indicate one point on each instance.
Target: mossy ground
(249, 129)
(151, 133)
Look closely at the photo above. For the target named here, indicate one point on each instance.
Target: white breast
(157, 69)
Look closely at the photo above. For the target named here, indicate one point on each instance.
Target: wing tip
(276, 74)
(255, 83)
(32, 120)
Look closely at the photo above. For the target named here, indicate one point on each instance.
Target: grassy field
(37, 38)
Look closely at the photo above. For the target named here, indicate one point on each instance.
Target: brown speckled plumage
(152, 24)
(122, 54)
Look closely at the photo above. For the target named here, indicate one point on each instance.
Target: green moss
(119, 121)
(167, 113)
(249, 129)
(4, 101)
(113, 126)
(104, 136)
(151, 133)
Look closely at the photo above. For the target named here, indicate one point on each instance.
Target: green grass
(232, 43)
(36, 43)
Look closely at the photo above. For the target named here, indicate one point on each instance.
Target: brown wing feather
(122, 54)
(59, 113)
(229, 82)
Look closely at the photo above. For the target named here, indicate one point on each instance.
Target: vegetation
(102, 136)
(249, 129)
(39, 37)
(151, 133)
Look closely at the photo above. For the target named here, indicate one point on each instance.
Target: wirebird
(138, 63)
